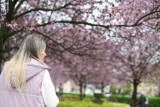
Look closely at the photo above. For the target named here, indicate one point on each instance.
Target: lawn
(89, 104)
(72, 100)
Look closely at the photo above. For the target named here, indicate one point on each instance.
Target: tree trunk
(4, 32)
(158, 93)
(102, 89)
(84, 90)
(1, 57)
(1, 47)
(81, 91)
(135, 86)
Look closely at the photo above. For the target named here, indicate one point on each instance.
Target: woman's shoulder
(36, 63)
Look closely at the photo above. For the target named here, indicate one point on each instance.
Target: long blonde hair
(30, 48)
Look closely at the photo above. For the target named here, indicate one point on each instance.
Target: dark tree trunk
(2, 35)
(4, 32)
(102, 89)
(135, 86)
(1, 56)
(81, 91)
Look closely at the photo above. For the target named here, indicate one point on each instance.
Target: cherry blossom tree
(19, 18)
(137, 56)
(103, 74)
(80, 62)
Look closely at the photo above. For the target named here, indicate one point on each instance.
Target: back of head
(30, 48)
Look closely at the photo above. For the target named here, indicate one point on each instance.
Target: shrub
(120, 99)
(153, 101)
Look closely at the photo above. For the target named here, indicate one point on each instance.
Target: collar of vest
(34, 67)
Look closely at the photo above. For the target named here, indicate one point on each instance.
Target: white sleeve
(48, 91)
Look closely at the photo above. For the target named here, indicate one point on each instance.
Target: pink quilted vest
(32, 97)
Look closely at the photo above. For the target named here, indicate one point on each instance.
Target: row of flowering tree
(122, 35)
(87, 52)
(19, 17)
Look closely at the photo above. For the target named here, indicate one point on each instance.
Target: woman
(25, 80)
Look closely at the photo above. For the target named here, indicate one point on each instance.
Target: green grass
(89, 104)
(73, 100)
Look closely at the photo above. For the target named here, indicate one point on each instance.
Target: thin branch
(41, 9)
(141, 18)
(18, 6)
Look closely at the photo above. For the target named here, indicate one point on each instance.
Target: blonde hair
(30, 48)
